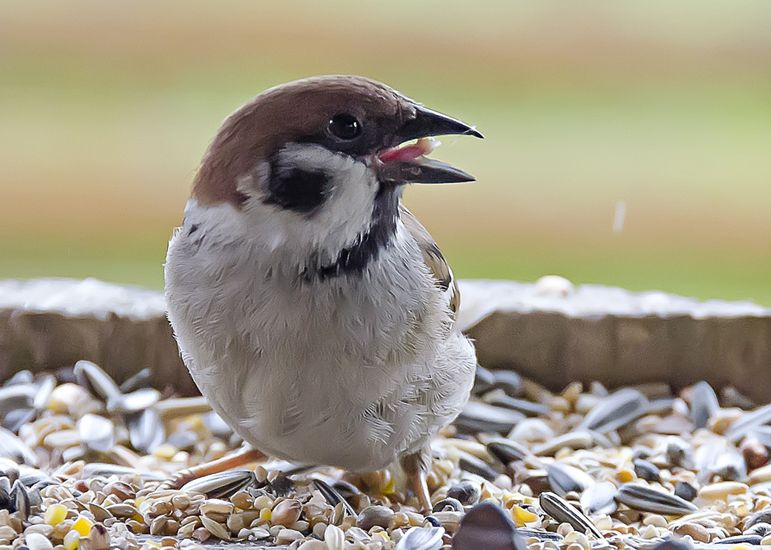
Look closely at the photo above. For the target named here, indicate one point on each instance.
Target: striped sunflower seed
(647, 499)
(559, 509)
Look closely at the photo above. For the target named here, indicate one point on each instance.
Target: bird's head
(319, 163)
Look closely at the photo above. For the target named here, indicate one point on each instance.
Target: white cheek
(338, 223)
(347, 211)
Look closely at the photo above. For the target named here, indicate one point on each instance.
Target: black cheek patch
(295, 189)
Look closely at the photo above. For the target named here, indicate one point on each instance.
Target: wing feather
(433, 258)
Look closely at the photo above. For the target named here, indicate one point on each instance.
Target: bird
(312, 309)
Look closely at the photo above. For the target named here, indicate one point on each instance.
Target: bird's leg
(416, 465)
(232, 460)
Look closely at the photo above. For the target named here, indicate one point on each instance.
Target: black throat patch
(385, 214)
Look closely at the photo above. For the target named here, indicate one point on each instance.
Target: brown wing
(433, 258)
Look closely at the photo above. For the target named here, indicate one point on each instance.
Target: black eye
(345, 126)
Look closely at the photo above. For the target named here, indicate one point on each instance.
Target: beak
(420, 169)
(429, 123)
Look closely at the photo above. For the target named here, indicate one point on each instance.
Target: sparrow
(313, 310)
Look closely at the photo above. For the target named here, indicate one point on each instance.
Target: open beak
(409, 164)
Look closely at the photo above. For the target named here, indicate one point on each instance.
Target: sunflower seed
(599, 498)
(481, 417)
(539, 534)
(507, 451)
(661, 405)
(472, 464)
(761, 529)
(560, 510)
(615, 411)
(678, 452)
(449, 503)
(762, 434)
(483, 380)
(646, 470)
(565, 479)
(216, 425)
(332, 496)
(33, 477)
(647, 499)
(184, 440)
(753, 540)
(374, 515)
(20, 499)
(35, 498)
(421, 538)
(45, 386)
(508, 381)
(730, 465)
(762, 516)
(223, 484)
(685, 491)
(748, 422)
(734, 398)
(135, 401)
(6, 503)
(22, 377)
(17, 418)
(669, 544)
(140, 379)
(718, 457)
(536, 479)
(14, 448)
(704, 403)
(487, 526)
(531, 430)
(572, 440)
(528, 408)
(606, 440)
(16, 396)
(282, 485)
(345, 489)
(146, 431)
(464, 492)
(97, 469)
(96, 432)
(91, 376)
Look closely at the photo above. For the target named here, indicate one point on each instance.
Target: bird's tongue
(409, 152)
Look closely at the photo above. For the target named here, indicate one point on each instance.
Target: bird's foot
(227, 462)
(415, 466)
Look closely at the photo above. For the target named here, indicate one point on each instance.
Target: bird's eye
(345, 126)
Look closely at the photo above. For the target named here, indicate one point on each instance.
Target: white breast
(351, 371)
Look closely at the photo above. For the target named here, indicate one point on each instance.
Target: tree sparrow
(312, 309)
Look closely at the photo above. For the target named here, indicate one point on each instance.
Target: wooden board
(549, 331)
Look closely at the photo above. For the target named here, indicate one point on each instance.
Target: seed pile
(85, 463)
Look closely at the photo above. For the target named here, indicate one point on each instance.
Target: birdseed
(86, 465)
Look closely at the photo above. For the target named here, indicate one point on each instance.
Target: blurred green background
(107, 107)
